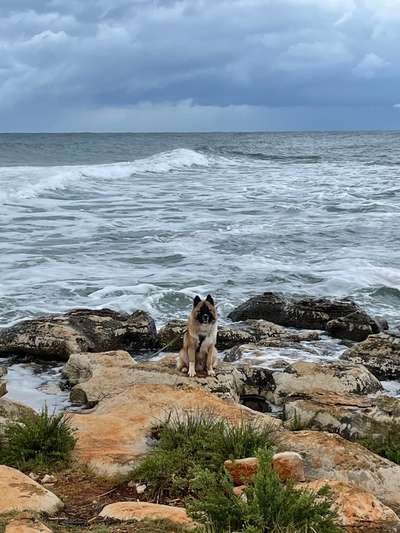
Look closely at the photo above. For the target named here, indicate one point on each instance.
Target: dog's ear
(196, 300)
(210, 299)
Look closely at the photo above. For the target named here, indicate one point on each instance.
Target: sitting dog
(199, 353)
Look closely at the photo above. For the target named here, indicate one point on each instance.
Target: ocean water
(147, 221)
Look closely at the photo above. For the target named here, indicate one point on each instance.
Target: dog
(199, 353)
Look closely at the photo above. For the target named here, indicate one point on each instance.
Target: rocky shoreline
(319, 410)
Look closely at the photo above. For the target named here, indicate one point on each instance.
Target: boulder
(379, 353)
(26, 525)
(328, 456)
(358, 511)
(349, 415)
(99, 375)
(242, 471)
(305, 377)
(128, 511)
(117, 432)
(11, 411)
(56, 337)
(307, 313)
(288, 465)
(356, 326)
(20, 493)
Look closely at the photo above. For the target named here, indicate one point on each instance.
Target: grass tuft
(387, 447)
(38, 442)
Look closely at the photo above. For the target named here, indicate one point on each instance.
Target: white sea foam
(21, 183)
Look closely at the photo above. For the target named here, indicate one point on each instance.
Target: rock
(117, 432)
(328, 456)
(49, 479)
(20, 493)
(11, 411)
(101, 375)
(3, 386)
(349, 415)
(256, 381)
(239, 491)
(307, 313)
(379, 353)
(82, 330)
(288, 465)
(125, 511)
(356, 326)
(140, 488)
(304, 377)
(26, 525)
(358, 511)
(242, 471)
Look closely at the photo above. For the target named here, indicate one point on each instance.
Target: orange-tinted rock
(288, 465)
(242, 471)
(116, 433)
(125, 511)
(26, 525)
(328, 456)
(358, 511)
(19, 492)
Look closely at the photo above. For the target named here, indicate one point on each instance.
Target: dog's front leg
(211, 358)
(192, 361)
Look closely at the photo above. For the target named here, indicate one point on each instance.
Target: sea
(147, 221)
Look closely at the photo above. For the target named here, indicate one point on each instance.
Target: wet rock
(26, 525)
(101, 375)
(125, 511)
(304, 377)
(256, 381)
(349, 415)
(288, 465)
(117, 432)
(358, 511)
(20, 493)
(307, 313)
(328, 456)
(355, 326)
(56, 337)
(11, 411)
(242, 471)
(379, 353)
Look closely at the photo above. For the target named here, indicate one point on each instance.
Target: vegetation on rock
(38, 442)
(186, 465)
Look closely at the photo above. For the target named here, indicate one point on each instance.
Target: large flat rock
(305, 377)
(100, 375)
(328, 456)
(138, 511)
(349, 415)
(56, 337)
(19, 492)
(117, 432)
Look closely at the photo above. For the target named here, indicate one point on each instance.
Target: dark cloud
(63, 58)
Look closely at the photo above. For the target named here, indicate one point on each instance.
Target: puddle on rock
(36, 385)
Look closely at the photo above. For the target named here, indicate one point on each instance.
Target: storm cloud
(198, 64)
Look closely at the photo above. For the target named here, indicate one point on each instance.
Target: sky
(199, 65)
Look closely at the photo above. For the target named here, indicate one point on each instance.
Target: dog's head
(204, 311)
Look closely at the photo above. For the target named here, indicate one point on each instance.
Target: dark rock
(308, 313)
(379, 353)
(355, 326)
(256, 381)
(56, 337)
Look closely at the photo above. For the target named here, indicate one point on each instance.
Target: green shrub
(192, 441)
(269, 506)
(38, 442)
(387, 447)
